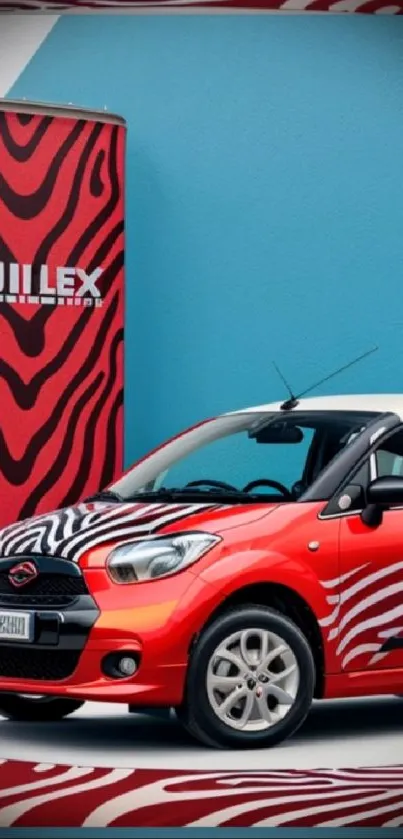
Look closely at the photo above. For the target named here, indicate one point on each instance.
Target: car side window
(384, 461)
(387, 460)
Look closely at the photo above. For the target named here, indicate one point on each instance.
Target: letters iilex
(42, 284)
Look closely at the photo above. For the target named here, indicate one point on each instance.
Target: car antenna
(292, 402)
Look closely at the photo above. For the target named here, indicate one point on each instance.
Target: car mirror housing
(382, 493)
(386, 491)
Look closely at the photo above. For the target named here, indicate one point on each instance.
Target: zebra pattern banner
(61, 306)
(69, 533)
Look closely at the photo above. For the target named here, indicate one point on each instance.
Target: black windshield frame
(135, 482)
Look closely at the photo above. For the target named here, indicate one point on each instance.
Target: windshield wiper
(104, 495)
(178, 493)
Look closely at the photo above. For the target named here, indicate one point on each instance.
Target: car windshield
(246, 457)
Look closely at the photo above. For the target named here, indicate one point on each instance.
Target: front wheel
(17, 706)
(250, 682)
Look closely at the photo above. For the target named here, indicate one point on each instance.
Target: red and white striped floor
(388, 7)
(80, 772)
(46, 795)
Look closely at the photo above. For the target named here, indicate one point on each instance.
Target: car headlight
(149, 559)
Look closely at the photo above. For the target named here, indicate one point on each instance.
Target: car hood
(71, 532)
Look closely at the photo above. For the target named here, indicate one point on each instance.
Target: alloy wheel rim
(252, 680)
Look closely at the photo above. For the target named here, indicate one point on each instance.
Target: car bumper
(155, 622)
(161, 686)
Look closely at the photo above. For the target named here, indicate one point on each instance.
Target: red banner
(61, 306)
(342, 6)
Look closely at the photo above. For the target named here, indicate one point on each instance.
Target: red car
(242, 569)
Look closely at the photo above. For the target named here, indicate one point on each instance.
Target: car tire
(201, 713)
(15, 706)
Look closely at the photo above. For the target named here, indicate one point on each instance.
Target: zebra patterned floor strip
(46, 795)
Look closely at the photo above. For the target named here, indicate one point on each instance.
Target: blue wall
(264, 200)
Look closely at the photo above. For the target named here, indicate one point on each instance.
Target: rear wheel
(30, 708)
(250, 681)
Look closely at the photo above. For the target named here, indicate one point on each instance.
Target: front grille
(38, 665)
(56, 590)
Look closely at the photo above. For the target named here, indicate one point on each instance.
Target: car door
(370, 619)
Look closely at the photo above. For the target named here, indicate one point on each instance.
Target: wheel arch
(289, 603)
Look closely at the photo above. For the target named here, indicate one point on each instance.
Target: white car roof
(378, 403)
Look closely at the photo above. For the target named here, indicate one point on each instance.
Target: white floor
(336, 735)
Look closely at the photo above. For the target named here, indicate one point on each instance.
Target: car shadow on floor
(124, 732)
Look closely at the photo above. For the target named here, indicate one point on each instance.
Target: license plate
(16, 626)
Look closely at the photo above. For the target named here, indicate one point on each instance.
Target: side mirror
(386, 491)
(382, 493)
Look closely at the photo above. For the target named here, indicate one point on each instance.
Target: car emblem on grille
(22, 574)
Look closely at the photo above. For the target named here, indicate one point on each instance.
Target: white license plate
(16, 626)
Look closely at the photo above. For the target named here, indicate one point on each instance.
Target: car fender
(258, 568)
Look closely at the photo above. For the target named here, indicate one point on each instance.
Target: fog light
(127, 666)
(120, 665)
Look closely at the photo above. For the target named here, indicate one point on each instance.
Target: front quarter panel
(293, 548)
